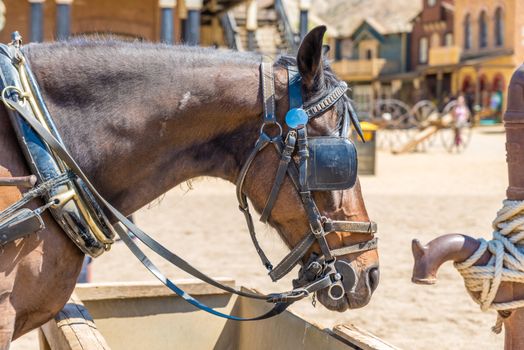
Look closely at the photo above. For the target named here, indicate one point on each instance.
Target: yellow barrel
(366, 151)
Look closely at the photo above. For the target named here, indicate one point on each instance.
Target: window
(435, 40)
(369, 54)
(423, 50)
(499, 27)
(432, 2)
(467, 32)
(448, 39)
(483, 30)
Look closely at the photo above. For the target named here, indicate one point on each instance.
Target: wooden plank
(362, 338)
(22, 181)
(153, 289)
(419, 137)
(73, 329)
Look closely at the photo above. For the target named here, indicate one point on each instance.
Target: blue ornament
(296, 117)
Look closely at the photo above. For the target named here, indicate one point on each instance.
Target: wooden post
(73, 329)
(459, 247)
(251, 24)
(37, 21)
(181, 11)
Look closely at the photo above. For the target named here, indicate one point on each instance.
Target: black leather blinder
(332, 163)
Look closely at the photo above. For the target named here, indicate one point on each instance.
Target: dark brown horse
(142, 118)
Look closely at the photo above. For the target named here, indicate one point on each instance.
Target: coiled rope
(505, 265)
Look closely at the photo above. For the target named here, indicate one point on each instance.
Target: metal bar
(22, 181)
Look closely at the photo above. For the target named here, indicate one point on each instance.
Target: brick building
(432, 37)
(490, 37)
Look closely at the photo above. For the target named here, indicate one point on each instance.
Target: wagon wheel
(455, 138)
(423, 111)
(395, 118)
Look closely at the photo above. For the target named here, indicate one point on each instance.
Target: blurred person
(461, 115)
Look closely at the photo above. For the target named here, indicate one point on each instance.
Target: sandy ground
(418, 195)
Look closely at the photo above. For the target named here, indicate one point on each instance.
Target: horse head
(357, 269)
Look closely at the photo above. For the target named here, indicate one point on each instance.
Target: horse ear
(309, 57)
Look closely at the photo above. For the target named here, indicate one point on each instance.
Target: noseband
(300, 156)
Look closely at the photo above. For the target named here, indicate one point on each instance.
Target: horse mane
(93, 47)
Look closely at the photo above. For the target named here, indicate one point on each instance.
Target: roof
(390, 16)
(369, 26)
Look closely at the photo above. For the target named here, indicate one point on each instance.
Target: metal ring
(339, 285)
(21, 95)
(272, 123)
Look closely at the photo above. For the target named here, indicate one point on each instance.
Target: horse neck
(141, 119)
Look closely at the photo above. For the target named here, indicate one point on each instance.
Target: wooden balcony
(444, 55)
(358, 70)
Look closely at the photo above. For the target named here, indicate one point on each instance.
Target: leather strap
(289, 147)
(19, 224)
(243, 205)
(356, 248)
(268, 92)
(350, 226)
(294, 87)
(292, 258)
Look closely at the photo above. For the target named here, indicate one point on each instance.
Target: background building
(433, 54)
(372, 49)
(490, 35)
(222, 23)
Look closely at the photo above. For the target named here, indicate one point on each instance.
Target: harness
(77, 206)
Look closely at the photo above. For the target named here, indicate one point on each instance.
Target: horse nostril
(374, 277)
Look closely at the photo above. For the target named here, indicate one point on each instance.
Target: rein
(20, 103)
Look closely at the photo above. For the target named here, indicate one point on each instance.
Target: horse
(141, 118)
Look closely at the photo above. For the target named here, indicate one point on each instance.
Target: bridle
(321, 271)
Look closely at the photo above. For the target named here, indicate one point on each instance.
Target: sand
(419, 195)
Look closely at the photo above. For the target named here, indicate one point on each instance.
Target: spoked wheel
(455, 138)
(396, 118)
(423, 112)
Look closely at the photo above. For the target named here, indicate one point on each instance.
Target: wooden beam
(22, 181)
(128, 290)
(73, 329)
